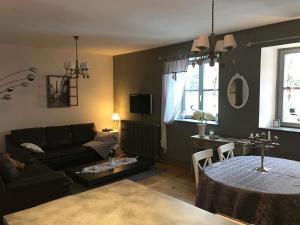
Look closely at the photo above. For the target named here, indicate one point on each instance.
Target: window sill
(284, 129)
(196, 121)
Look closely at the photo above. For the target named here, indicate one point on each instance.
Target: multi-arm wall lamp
(9, 82)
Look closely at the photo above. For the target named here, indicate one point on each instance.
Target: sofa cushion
(58, 136)
(82, 133)
(8, 172)
(30, 135)
(63, 152)
(36, 169)
(2, 185)
(17, 164)
(62, 158)
(23, 156)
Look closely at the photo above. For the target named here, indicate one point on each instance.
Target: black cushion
(2, 185)
(82, 133)
(7, 170)
(30, 135)
(58, 136)
(75, 150)
(34, 170)
(64, 152)
(23, 156)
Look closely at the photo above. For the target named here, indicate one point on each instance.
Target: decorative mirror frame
(233, 78)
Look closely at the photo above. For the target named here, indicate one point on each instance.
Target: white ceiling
(119, 26)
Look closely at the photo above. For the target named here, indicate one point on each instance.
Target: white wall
(28, 108)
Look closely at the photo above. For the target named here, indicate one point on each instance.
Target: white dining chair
(226, 151)
(198, 157)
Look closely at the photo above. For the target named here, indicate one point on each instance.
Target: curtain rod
(250, 44)
(176, 57)
(182, 56)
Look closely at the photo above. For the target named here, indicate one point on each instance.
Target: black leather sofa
(62, 144)
(36, 184)
(39, 181)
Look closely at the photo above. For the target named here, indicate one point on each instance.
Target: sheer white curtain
(173, 82)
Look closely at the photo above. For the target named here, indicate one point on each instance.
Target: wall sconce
(115, 117)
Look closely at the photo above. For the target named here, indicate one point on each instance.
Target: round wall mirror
(237, 91)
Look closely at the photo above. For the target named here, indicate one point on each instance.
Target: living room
(127, 47)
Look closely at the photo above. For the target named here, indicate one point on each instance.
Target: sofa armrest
(106, 137)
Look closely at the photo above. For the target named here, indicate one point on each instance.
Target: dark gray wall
(141, 72)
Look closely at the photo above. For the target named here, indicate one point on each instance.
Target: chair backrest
(204, 158)
(226, 151)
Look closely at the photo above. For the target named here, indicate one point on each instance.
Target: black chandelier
(8, 83)
(76, 70)
(207, 48)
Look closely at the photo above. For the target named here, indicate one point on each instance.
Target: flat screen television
(140, 103)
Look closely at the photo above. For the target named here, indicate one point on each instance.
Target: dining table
(121, 203)
(235, 188)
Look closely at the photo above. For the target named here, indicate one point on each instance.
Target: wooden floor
(173, 180)
(178, 182)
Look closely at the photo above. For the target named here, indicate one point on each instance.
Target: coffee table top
(123, 202)
(91, 179)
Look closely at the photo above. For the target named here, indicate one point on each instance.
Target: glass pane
(191, 102)
(211, 76)
(192, 78)
(291, 106)
(292, 70)
(211, 102)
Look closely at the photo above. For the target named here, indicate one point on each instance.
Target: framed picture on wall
(58, 91)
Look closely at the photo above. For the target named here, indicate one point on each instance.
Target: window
(201, 90)
(288, 88)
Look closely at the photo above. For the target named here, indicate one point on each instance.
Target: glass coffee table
(92, 178)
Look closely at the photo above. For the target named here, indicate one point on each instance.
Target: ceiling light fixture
(207, 48)
(9, 85)
(75, 70)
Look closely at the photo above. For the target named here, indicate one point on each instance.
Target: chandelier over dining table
(208, 48)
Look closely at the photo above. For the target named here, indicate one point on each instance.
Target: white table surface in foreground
(121, 203)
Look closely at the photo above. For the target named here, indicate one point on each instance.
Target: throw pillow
(32, 147)
(7, 170)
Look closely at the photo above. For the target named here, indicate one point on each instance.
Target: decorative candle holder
(264, 143)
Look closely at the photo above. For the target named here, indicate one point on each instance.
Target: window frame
(201, 90)
(280, 86)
